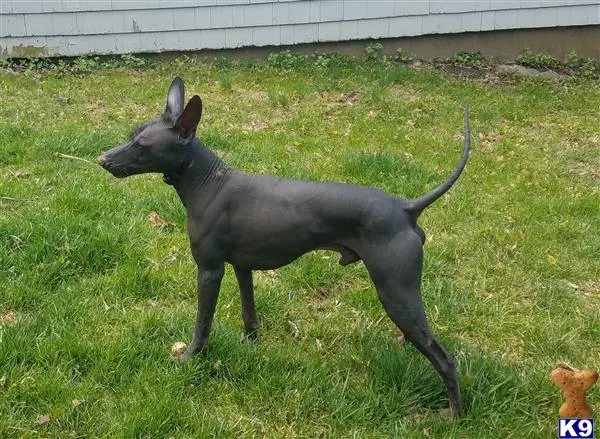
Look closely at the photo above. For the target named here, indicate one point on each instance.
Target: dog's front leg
(244, 278)
(209, 284)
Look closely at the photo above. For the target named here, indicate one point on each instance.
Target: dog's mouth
(119, 173)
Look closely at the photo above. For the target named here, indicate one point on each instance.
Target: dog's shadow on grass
(490, 386)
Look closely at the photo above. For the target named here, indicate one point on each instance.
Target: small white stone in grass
(42, 420)
(178, 349)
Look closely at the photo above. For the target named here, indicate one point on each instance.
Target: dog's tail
(416, 207)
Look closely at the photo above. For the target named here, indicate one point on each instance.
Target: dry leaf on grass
(18, 174)
(294, 329)
(7, 318)
(400, 337)
(156, 221)
(349, 98)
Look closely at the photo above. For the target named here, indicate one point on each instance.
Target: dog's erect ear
(175, 98)
(189, 119)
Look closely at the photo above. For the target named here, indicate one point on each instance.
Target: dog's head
(160, 145)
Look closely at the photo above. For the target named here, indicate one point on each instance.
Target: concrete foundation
(496, 45)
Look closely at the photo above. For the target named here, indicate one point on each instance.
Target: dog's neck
(173, 176)
(201, 170)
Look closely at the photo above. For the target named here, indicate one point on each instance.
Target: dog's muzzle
(109, 166)
(102, 161)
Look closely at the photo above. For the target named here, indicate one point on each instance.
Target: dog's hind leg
(395, 268)
(244, 278)
(413, 324)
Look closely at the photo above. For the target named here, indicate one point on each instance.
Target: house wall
(31, 28)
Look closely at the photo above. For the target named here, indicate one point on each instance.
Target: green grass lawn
(92, 296)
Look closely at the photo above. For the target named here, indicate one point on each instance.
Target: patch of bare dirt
(591, 289)
(268, 277)
(586, 169)
(463, 71)
(587, 166)
(403, 93)
(254, 126)
(322, 293)
(488, 141)
(349, 98)
(486, 75)
(334, 101)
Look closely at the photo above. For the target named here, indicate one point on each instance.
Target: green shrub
(374, 51)
(470, 59)
(403, 57)
(286, 60)
(537, 60)
(584, 67)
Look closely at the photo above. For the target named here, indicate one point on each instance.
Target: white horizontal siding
(70, 28)
(214, 17)
(44, 6)
(278, 13)
(55, 6)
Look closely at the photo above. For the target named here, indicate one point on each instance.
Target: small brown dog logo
(574, 383)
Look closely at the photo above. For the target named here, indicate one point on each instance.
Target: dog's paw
(251, 332)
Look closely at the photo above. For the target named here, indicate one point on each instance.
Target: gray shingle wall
(68, 27)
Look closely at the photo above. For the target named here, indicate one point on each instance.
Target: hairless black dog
(257, 222)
